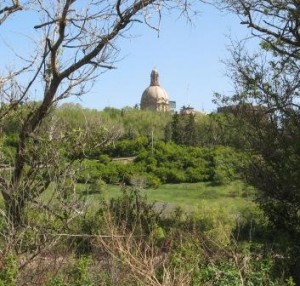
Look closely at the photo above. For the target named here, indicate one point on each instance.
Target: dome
(155, 97)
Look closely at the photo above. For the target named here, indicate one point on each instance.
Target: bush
(127, 147)
(172, 163)
(97, 187)
(132, 211)
(80, 274)
(228, 163)
(153, 181)
(199, 174)
(145, 180)
(90, 171)
(9, 270)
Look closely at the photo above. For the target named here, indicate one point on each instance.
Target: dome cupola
(155, 97)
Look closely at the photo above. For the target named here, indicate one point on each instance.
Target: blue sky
(188, 58)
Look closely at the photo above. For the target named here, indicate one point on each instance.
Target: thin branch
(8, 10)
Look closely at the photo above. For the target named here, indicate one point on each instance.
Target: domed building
(155, 97)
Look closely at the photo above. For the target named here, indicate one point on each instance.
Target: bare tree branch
(8, 10)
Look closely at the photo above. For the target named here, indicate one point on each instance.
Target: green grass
(231, 198)
(190, 196)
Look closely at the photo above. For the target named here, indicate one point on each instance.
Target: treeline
(200, 129)
(166, 148)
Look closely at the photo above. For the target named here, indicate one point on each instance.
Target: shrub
(98, 186)
(153, 181)
(89, 171)
(138, 181)
(127, 147)
(9, 270)
(132, 211)
(227, 164)
(198, 174)
(80, 274)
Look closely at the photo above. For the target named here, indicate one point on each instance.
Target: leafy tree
(176, 129)
(127, 147)
(144, 123)
(191, 130)
(182, 129)
(267, 84)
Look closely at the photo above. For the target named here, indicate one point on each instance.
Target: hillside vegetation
(176, 213)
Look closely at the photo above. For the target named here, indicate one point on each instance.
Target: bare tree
(77, 42)
(7, 8)
(275, 22)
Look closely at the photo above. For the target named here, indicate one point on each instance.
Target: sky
(187, 56)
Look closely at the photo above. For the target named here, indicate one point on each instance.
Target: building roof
(154, 95)
(187, 110)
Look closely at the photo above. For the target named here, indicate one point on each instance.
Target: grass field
(189, 196)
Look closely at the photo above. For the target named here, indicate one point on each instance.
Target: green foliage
(57, 281)
(266, 45)
(252, 223)
(85, 228)
(7, 151)
(144, 180)
(99, 186)
(81, 274)
(132, 211)
(214, 222)
(268, 83)
(29, 240)
(223, 274)
(127, 147)
(183, 130)
(152, 181)
(168, 163)
(138, 123)
(228, 164)
(172, 163)
(198, 243)
(90, 171)
(257, 271)
(8, 270)
(144, 122)
(203, 130)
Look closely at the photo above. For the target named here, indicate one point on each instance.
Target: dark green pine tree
(190, 130)
(175, 128)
